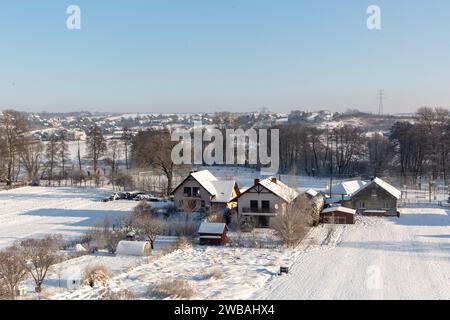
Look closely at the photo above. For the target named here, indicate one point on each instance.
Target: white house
(206, 191)
(264, 200)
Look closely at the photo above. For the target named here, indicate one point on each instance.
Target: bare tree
(124, 180)
(153, 148)
(12, 270)
(51, 152)
(293, 221)
(113, 155)
(79, 154)
(63, 153)
(127, 137)
(13, 126)
(38, 255)
(30, 155)
(145, 222)
(96, 148)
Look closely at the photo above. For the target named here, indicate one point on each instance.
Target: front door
(263, 222)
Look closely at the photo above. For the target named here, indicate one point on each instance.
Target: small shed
(134, 248)
(213, 234)
(339, 215)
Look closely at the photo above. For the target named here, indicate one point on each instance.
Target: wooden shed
(339, 215)
(213, 234)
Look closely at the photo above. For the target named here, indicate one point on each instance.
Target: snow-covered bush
(96, 276)
(176, 289)
(122, 294)
(183, 243)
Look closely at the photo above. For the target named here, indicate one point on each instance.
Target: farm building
(346, 188)
(338, 215)
(202, 190)
(377, 198)
(213, 234)
(263, 201)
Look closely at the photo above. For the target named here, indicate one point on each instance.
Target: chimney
(257, 181)
(274, 180)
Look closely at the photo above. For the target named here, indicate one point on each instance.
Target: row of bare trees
(410, 150)
(24, 158)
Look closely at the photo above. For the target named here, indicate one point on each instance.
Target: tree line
(410, 150)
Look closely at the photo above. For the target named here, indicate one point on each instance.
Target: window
(374, 193)
(196, 192)
(362, 205)
(265, 206)
(254, 204)
(187, 192)
(386, 205)
(203, 203)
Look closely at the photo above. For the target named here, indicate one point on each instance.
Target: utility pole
(381, 97)
(331, 166)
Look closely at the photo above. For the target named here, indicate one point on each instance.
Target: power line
(381, 97)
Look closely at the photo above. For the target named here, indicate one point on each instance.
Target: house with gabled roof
(202, 190)
(346, 188)
(264, 200)
(376, 198)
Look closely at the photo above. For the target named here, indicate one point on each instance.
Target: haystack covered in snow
(134, 248)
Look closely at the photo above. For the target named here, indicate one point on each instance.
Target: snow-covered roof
(206, 179)
(279, 188)
(384, 185)
(348, 187)
(337, 199)
(340, 209)
(223, 190)
(220, 190)
(312, 192)
(212, 228)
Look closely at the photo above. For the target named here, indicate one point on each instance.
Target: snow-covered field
(244, 272)
(36, 211)
(378, 258)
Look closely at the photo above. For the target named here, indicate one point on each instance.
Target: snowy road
(34, 211)
(379, 258)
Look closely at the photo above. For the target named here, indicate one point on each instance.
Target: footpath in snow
(378, 258)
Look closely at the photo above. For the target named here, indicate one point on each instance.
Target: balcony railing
(260, 210)
(193, 196)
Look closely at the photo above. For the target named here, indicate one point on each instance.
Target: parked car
(142, 197)
(133, 194)
(112, 197)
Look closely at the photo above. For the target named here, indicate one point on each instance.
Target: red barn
(213, 234)
(339, 215)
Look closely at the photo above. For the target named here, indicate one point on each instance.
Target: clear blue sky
(212, 55)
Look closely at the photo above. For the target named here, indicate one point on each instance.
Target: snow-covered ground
(36, 211)
(378, 258)
(65, 277)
